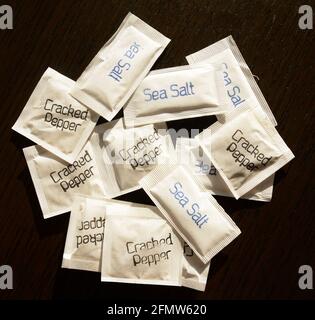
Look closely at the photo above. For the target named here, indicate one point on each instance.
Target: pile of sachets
(80, 167)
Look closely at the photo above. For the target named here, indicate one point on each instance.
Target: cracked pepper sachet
(57, 182)
(128, 154)
(53, 119)
(246, 149)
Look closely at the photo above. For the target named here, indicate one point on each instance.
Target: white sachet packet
(56, 181)
(140, 247)
(190, 209)
(54, 119)
(85, 234)
(246, 149)
(176, 93)
(190, 152)
(119, 67)
(128, 154)
(237, 79)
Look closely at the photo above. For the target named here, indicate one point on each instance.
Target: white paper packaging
(177, 93)
(237, 79)
(85, 234)
(190, 209)
(56, 181)
(128, 154)
(140, 247)
(246, 149)
(119, 67)
(190, 152)
(55, 120)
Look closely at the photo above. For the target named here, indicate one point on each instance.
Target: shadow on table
(87, 285)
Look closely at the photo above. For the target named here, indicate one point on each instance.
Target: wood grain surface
(277, 237)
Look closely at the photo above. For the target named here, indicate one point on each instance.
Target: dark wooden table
(277, 237)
